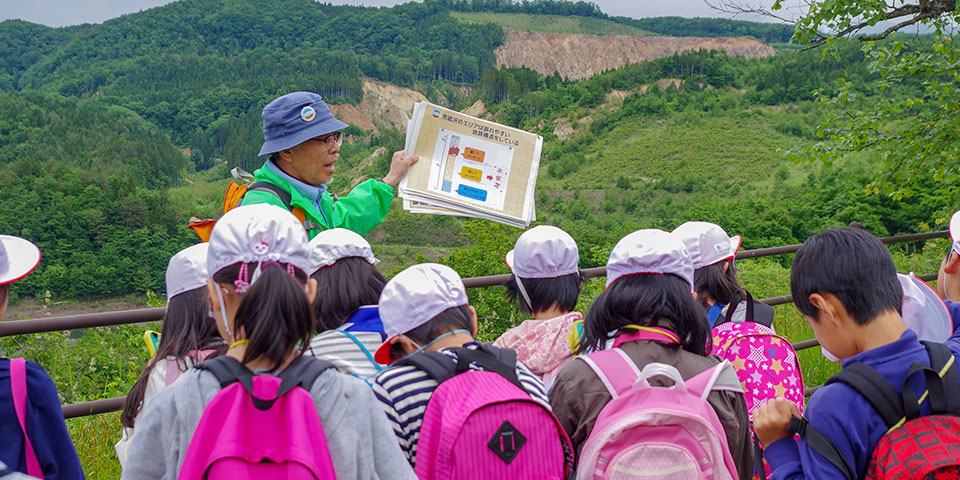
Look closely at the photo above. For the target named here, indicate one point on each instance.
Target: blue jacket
(45, 425)
(845, 417)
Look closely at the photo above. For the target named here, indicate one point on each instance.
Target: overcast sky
(58, 13)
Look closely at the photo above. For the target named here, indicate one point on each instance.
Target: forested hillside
(86, 181)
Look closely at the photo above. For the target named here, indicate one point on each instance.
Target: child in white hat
(948, 278)
(348, 289)
(425, 308)
(546, 283)
(648, 311)
(40, 446)
(260, 295)
(715, 276)
(189, 336)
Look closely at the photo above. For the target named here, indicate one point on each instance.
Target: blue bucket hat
(295, 118)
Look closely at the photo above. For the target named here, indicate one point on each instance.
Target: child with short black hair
(425, 309)
(546, 283)
(348, 289)
(844, 282)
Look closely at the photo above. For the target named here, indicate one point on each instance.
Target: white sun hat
(707, 243)
(955, 231)
(257, 233)
(337, 243)
(544, 251)
(923, 311)
(18, 257)
(413, 297)
(187, 270)
(649, 251)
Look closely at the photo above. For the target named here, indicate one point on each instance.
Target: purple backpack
(260, 426)
(482, 424)
(656, 432)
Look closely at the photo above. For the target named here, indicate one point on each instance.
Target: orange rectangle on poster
(473, 154)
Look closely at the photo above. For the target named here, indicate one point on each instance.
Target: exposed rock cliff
(383, 104)
(581, 56)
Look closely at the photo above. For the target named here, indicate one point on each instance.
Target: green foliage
(76, 177)
(552, 23)
(913, 133)
(711, 27)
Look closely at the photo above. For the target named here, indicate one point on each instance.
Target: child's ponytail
(275, 314)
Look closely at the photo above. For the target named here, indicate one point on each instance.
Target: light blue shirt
(308, 191)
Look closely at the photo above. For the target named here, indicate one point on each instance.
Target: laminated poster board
(471, 166)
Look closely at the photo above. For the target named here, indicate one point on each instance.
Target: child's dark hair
(649, 300)
(546, 292)
(850, 264)
(274, 313)
(187, 328)
(4, 293)
(344, 287)
(456, 318)
(715, 283)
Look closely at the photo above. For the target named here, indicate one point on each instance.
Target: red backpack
(914, 447)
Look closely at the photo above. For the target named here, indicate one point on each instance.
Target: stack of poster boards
(470, 167)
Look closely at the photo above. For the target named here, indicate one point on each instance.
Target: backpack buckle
(506, 442)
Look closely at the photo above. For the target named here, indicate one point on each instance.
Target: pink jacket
(542, 345)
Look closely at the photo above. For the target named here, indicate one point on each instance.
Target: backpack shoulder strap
(616, 370)
(763, 314)
(874, 388)
(362, 347)
(732, 307)
(435, 364)
(943, 361)
(228, 371)
(821, 444)
(501, 361)
(303, 372)
(275, 190)
(18, 390)
(720, 377)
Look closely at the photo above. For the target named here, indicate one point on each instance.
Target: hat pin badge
(308, 113)
(261, 248)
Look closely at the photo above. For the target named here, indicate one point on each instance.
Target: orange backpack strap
(286, 198)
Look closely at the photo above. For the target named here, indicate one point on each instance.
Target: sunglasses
(334, 139)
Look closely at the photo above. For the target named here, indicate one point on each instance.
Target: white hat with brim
(415, 296)
(18, 257)
(923, 311)
(338, 243)
(255, 234)
(187, 270)
(955, 231)
(649, 251)
(544, 251)
(707, 243)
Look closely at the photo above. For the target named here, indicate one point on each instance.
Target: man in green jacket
(303, 139)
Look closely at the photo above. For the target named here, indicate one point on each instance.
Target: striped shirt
(403, 392)
(339, 348)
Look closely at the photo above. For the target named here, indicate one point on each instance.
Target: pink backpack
(260, 426)
(766, 364)
(18, 390)
(483, 424)
(656, 432)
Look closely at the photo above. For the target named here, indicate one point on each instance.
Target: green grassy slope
(552, 23)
